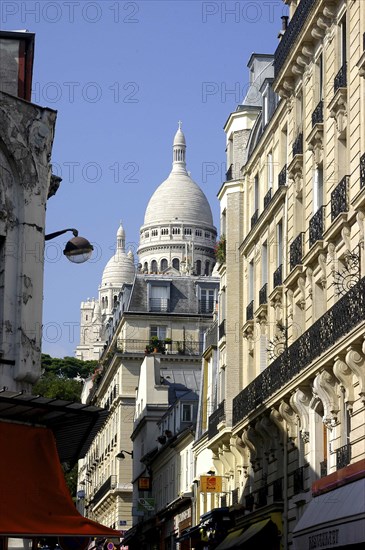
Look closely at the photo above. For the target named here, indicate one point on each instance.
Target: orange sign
(211, 484)
(144, 483)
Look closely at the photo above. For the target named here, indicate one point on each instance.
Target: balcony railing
(316, 226)
(139, 346)
(109, 484)
(159, 304)
(206, 306)
(340, 198)
(254, 218)
(296, 251)
(263, 295)
(317, 115)
(216, 418)
(267, 198)
(278, 276)
(338, 321)
(298, 480)
(296, 24)
(211, 336)
(229, 173)
(249, 311)
(362, 171)
(298, 145)
(340, 78)
(222, 329)
(282, 176)
(343, 456)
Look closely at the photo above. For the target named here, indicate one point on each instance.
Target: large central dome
(178, 228)
(178, 198)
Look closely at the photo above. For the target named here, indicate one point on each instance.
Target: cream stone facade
(289, 425)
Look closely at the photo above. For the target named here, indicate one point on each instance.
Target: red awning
(34, 498)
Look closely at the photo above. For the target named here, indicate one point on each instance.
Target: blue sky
(121, 74)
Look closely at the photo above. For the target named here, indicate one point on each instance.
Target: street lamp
(122, 455)
(78, 250)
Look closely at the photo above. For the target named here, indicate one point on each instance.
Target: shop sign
(146, 504)
(211, 484)
(144, 484)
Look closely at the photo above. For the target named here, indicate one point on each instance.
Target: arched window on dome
(153, 266)
(198, 267)
(164, 264)
(106, 302)
(145, 267)
(207, 266)
(102, 303)
(115, 300)
(176, 264)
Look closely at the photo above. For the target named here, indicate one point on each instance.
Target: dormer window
(186, 412)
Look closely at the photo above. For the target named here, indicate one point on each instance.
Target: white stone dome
(120, 268)
(178, 198)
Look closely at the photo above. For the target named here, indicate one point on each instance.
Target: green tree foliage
(53, 386)
(68, 367)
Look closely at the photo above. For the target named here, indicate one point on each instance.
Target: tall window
(159, 331)
(320, 77)
(343, 47)
(153, 266)
(264, 264)
(317, 188)
(270, 171)
(176, 264)
(164, 264)
(250, 281)
(256, 194)
(198, 267)
(206, 300)
(159, 298)
(279, 240)
(186, 412)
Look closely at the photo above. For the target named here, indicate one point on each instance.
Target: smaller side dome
(120, 268)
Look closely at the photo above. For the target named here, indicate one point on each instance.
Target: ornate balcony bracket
(293, 276)
(338, 110)
(315, 142)
(261, 317)
(336, 227)
(276, 301)
(248, 332)
(295, 173)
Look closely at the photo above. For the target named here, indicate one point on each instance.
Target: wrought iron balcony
(362, 171)
(206, 306)
(278, 276)
(229, 173)
(316, 226)
(107, 486)
(263, 295)
(323, 468)
(298, 145)
(222, 329)
(267, 198)
(139, 346)
(298, 480)
(249, 311)
(317, 115)
(216, 418)
(282, 176)
(296, 24)
(211, 336)
(340, 198)
(343, 456)
(159, 304)
(254, 218)
(296, 251)
(338, 321)
(340, 78)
